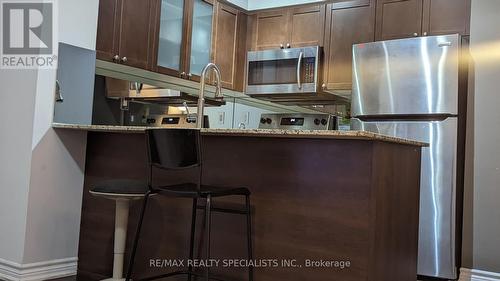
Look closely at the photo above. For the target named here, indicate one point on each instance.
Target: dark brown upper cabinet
(306, 26)
(411, 18)
(229, 45)
(179, 37)
(183, 37)
(107, 31)
(271, 29)
(125, 32)
(446, 17)
(398, 19)
(347, 23)
(288, 28)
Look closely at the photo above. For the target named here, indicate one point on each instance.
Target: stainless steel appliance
(298, 121)
(283, 71)
(413, 88)
(116, 88)
(170, 121)
(289, 76)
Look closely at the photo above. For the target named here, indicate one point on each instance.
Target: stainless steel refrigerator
(416, 88)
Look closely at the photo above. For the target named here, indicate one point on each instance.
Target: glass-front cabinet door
(184, 37)
(171, 37)
(201, 36)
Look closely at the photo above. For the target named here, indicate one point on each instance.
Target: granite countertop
(355, 135)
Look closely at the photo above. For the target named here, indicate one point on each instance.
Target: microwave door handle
(299, 66)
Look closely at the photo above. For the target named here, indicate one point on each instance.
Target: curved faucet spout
(201, 97)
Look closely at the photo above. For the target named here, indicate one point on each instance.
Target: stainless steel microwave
(283, 71)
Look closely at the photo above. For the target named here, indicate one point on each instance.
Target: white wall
(55, 197)
(17, 103)
(58, 158)
(78, 22)
(41, 170)
(485, 48)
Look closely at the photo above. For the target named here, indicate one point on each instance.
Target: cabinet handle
(415, 34)
(323, 86)
(281, 46)
(288, 45)
(190, 75)
(425, 33)
(116, 58)
(124, 59)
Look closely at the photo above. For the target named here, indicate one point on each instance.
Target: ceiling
(260, 4)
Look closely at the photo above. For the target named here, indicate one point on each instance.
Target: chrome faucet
(201, 97)
(190, 117)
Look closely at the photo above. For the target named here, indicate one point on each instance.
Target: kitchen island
(326, 205)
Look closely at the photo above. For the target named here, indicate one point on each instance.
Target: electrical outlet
(222, 117)
(246, 117)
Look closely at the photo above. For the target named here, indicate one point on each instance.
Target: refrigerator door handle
(444, 44)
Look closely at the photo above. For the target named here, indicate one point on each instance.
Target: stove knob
(263, 120)
(269, 121)
(323, 121)
(316, 121)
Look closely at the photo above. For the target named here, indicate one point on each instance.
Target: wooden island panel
(330, 199)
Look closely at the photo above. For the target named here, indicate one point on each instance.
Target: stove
(172, 121)
(298, 121)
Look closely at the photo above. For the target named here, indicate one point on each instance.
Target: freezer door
(437, 230)
(406, 76)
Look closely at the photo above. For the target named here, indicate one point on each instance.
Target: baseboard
(12, 271)
(478, 275)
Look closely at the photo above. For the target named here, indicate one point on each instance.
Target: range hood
(322, 98)
(116, 88)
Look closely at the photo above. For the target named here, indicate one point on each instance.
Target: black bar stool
(180, 149)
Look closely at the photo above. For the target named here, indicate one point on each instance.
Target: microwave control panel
(308, 66)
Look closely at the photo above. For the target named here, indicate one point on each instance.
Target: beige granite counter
(355, 135)
(101, 128)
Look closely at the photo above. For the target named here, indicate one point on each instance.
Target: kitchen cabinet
(306, 26)
(289, 28)
(179, 37)
(184, 36)
(125, 32)
(271, 29)
(106, 42)
(200, 36)
(398, 19)
(347, 23)
(229, 45)
(410, 18)
(170, 37)
(446, 17)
